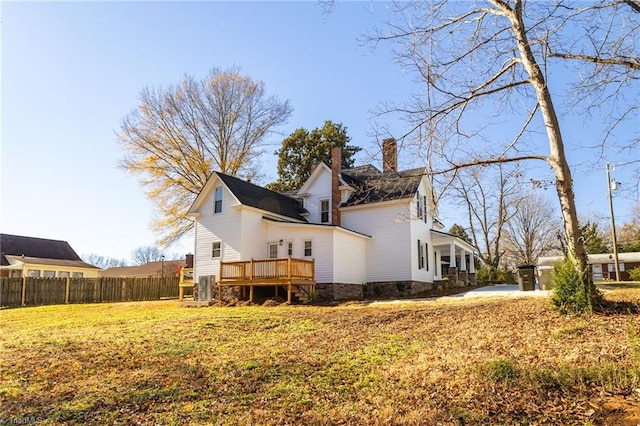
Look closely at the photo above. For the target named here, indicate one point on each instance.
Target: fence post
(23, 296)
(66, 290)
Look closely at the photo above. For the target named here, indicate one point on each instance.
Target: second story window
(217, 204)
(308, 248)
(216, 249)
(418, 206)
(324, 211)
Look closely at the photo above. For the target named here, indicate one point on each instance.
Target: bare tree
(531, 232)
(179, 135)
(103, 262)
(146, 254)
(488, 194)
(491, 59)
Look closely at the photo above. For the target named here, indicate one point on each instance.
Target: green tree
(303, 149)
(460, 232)
(179, 135)
(593, 238)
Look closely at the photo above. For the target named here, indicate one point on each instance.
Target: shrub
(487, 274)
(635, 273)
(573, 293)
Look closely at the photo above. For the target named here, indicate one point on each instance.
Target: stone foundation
(338, 291)
(396, 288)
(229, 293)
(462, 279)
(453, 275)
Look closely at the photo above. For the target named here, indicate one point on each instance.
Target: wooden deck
(296, 274)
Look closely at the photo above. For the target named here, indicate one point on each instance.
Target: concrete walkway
(498, 290)
(509, 290)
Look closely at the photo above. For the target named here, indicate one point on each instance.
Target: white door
(597, 272)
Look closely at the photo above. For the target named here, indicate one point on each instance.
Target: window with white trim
(216, 249)
(34, 273)
(49, 274)
(217, 201)
(424, 210)
(420, 255)
(273, 250)
(426, 256)
(418, 206)
(64, 274)
(308, 248)
(435, 264)
(324, 211)
(77, 275)
(289, 248)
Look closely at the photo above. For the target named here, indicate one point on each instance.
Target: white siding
(320, 189)
(350, 259)
(322, 245)
(210, 227)
(389, 251)
(253, 233)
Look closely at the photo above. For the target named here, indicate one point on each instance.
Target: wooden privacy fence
(29, 291)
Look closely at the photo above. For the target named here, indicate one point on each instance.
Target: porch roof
(443, 241)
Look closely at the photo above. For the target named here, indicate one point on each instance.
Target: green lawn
(485, 361)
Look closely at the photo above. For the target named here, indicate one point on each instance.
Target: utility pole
(613, 225)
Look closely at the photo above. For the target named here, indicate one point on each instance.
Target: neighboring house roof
(38, 250)
(18, 260)
(372, 186)
(146, 270)
(593, 258)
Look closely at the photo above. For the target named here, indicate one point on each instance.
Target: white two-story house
(368, 232)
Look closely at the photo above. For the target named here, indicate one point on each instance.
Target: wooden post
(276, 291)
(251, 293)
(66, 290)
(23, 296)
(289, 293)
(251, 269)
(289, 268)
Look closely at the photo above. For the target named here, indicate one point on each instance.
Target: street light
(613, 185)
(162, 264)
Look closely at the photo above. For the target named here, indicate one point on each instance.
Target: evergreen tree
(303, 149)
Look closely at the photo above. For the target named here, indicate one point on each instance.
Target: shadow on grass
(617, 307)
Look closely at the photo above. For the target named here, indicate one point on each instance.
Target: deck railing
(287, 268)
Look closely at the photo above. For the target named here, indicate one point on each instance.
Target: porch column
(463, 260)
(452, 256)
(472, 264)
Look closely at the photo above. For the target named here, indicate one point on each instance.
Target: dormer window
(217, 203)
(324, 211)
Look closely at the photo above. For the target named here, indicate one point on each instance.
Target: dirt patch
(618, 410)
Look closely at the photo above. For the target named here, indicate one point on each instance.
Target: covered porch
(457, 258)
(297, 276)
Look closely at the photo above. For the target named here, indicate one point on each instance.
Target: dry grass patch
(502, 361)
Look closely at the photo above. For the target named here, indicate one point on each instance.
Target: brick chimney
(389, 156)
(336, 168)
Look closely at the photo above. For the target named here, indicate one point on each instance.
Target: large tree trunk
(557, 158)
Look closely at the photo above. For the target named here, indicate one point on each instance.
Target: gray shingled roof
(40, 248)
(262, 198)
(374, 186)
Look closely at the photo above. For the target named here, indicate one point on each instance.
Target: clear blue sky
(72, 71)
